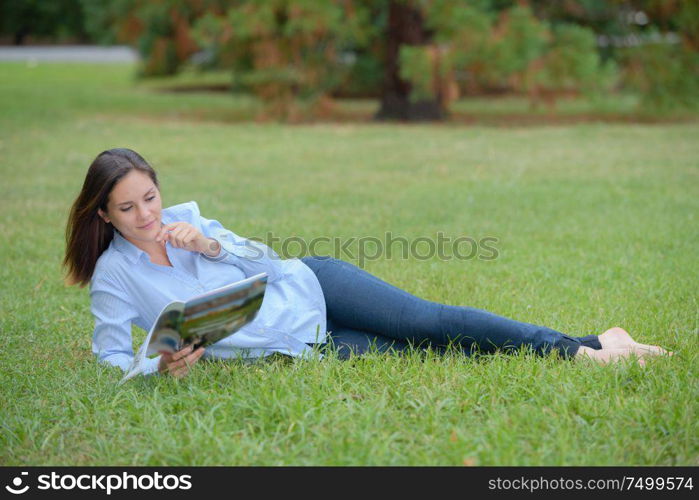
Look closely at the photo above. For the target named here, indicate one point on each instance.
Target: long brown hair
(87, 235)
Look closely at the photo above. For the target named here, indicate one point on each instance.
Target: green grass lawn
(596, 226)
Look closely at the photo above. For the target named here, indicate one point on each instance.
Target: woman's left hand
(183, 235)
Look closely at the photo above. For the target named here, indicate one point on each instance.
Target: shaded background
(414, 59)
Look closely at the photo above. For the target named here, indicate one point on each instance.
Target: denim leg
(590, 341)
(359, 301)
(348, 342)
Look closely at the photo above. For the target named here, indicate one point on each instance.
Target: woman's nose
(143, 212)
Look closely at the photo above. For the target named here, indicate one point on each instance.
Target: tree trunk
(20, 35)
(406, 26)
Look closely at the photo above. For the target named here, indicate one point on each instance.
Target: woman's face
(134, 208)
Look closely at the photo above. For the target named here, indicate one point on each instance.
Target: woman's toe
(652, 350)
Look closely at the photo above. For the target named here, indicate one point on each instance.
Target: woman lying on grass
(137, 257)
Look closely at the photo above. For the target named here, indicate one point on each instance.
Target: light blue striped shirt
(127, 288)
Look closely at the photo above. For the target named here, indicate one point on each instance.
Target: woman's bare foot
(608, 355)
(618, 338)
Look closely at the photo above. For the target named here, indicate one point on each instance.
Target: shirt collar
(131, 251)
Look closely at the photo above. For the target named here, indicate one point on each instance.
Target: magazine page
(164, 335)
(209, 317)
(165, 318)
(220, 313)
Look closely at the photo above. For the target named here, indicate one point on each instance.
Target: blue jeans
(364, 312)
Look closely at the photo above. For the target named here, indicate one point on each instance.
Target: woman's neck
(158, 255)
(156, 251)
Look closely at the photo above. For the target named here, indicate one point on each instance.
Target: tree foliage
(296, 54)
(286, 52)
(57, 20)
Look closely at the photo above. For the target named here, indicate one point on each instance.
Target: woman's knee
(348, 342)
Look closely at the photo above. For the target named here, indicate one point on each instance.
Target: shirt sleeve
(111, 339)
(253, 257)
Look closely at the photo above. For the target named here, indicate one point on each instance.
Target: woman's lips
(148, 226)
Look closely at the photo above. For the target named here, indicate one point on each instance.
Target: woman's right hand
(178, 364)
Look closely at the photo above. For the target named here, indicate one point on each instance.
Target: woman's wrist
(211, 247)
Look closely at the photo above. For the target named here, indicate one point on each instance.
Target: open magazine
(202, 320)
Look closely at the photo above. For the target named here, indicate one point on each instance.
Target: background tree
(665, 70)
(416, 55)
(57, 20)
(411, 87)
(509, 49)
(288, 53)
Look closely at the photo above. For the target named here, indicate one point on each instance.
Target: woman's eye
(125, 209)
(151, 198)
